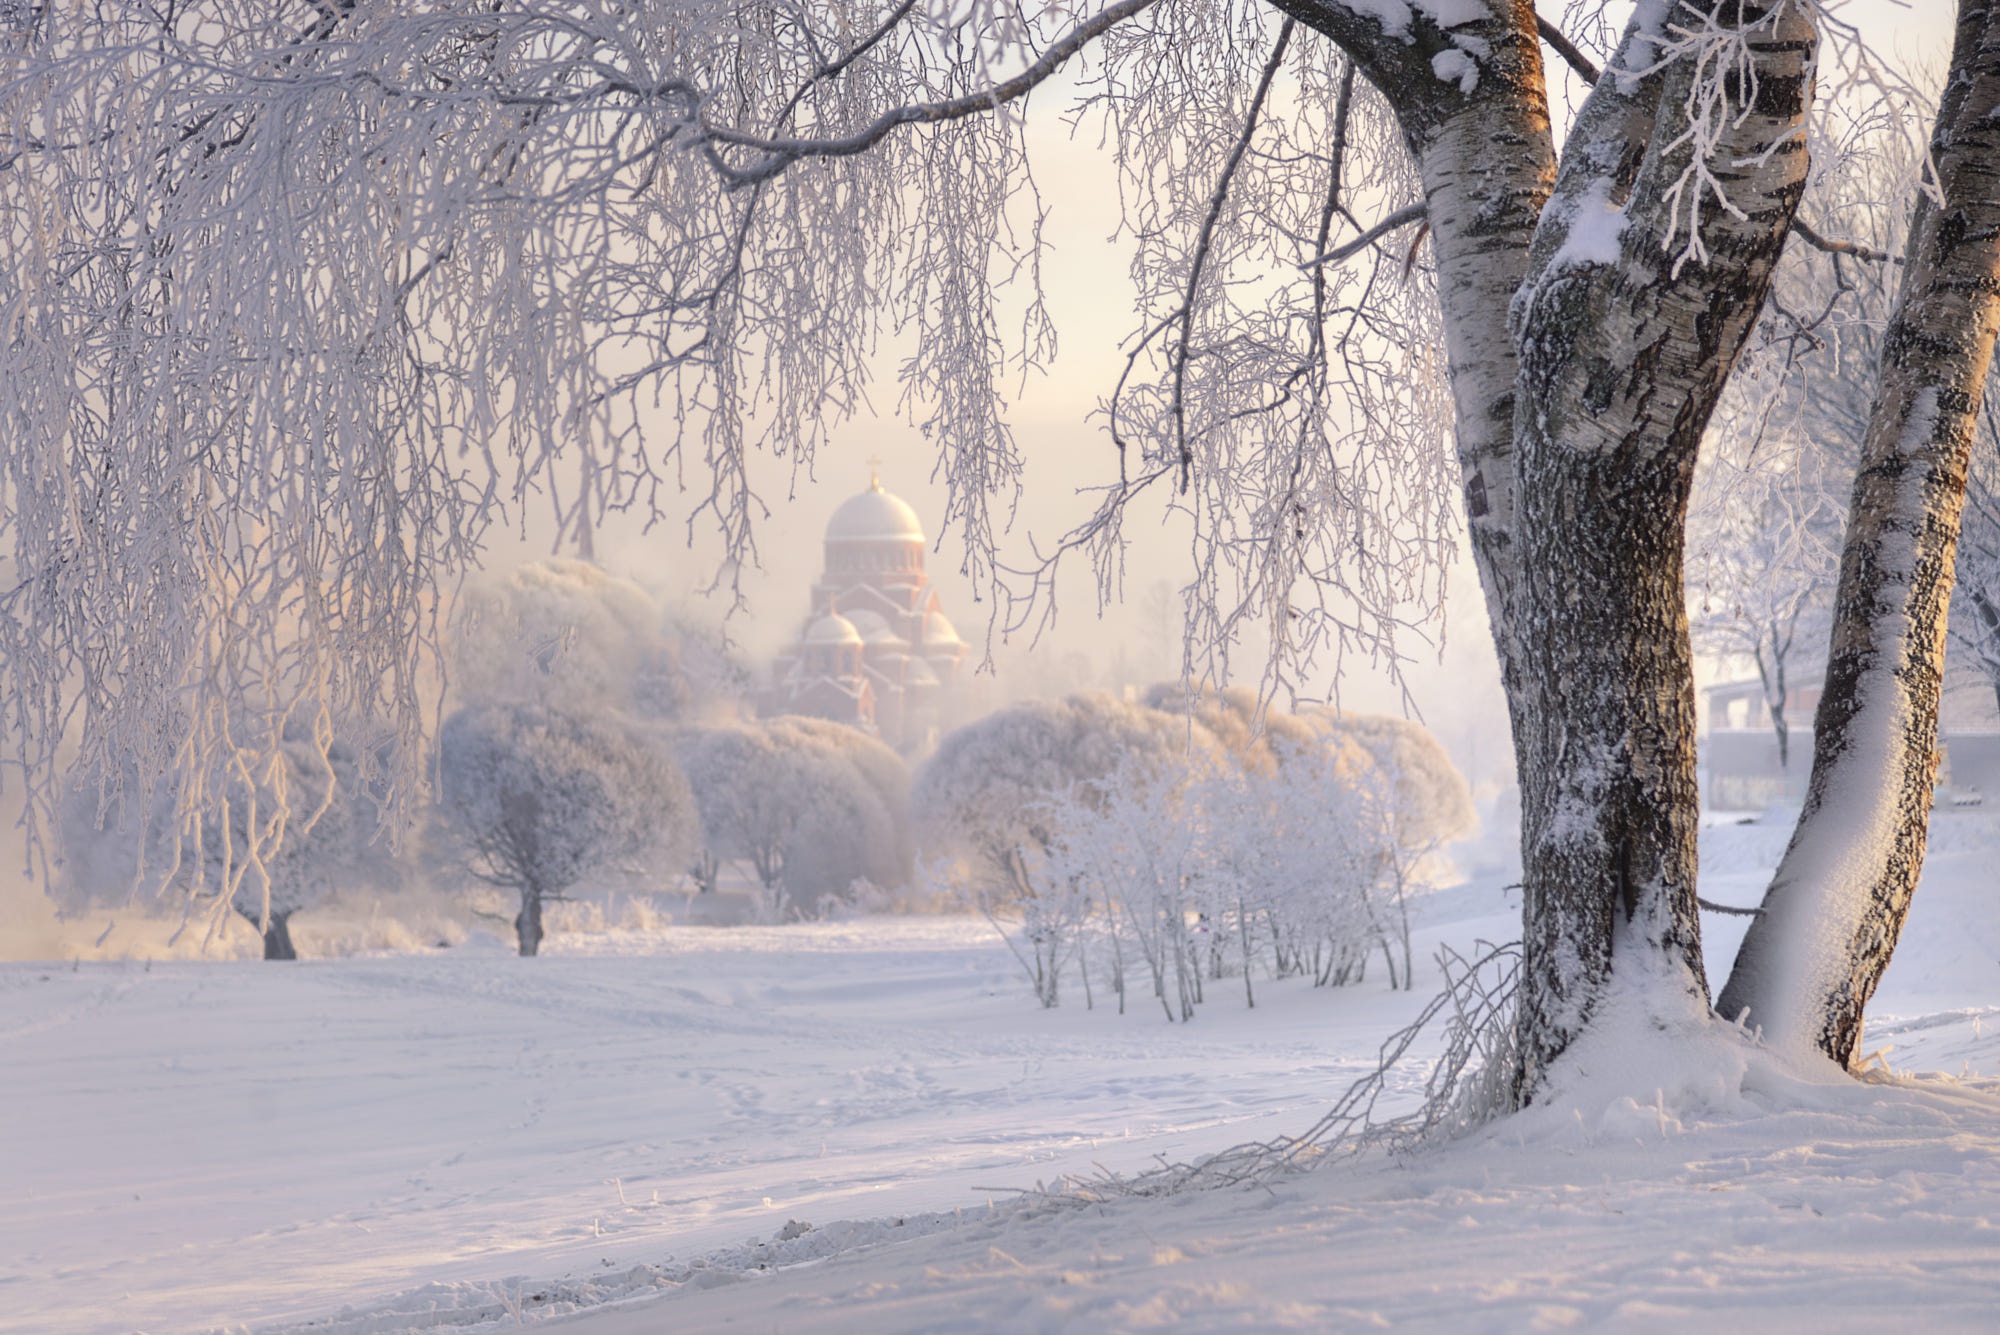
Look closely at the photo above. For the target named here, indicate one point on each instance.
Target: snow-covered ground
(825, 1128)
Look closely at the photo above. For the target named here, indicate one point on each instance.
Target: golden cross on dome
(875, 472)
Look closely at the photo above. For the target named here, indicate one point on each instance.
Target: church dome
(938, 632)
(832, 628)
(874, 516)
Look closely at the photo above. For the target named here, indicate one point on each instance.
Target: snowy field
(825, 1128)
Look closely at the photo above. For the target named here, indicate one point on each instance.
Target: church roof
(874, 516)
(832, 628)
(939, 631)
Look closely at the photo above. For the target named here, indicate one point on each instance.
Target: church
(877, 651)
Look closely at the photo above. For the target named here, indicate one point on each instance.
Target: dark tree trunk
(1773, 679)
(1627, 337)
(528, 922)
(1836, 906)
(1578, 421)
(276, 932)
(278, 938)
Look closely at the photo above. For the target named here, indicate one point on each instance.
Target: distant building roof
(938, 630)
(832, 628)
(874, 516)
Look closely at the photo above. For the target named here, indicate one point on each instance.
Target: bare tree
(329, 843)
(298, 301)
(292, 833)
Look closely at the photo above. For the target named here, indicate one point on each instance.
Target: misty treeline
(610, 739)
(602, 742)
(1153, 848)
(598, 740)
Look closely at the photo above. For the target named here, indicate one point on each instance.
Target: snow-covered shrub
(541, 798)
(994, 802)
(1127, 872)
(1430, 802)
(1286, 850)
(889, 862)
(810, 808)
(989, 796)
(1252, 733)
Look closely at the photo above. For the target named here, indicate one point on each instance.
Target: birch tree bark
(1647, 274)
(1632, 292)
(1836, 905)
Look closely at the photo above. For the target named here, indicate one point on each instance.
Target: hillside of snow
(840, 1127)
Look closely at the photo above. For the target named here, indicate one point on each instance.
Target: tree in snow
(995, 800)
(292, 844)
(542, 799)
(810, 810)
(297, 299)
(987, 794)
(563, 632)
(294, 831)
(1200, 868)
(1125, 856)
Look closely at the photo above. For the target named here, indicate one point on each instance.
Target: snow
(1455, 66)
(827, 1127)
(1596, 226)
(1395, 15)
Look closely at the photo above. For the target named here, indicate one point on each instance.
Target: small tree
(292, 831)
(543, 798)
(292, 846)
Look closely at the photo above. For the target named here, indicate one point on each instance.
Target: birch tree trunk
(1642, 289)
(1631, 289)
(1836, 905)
